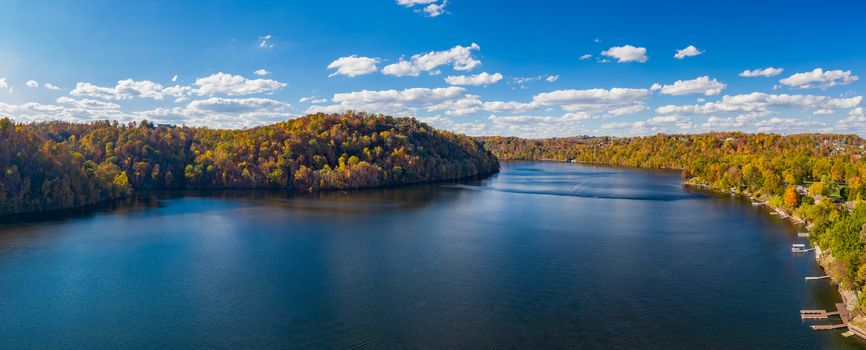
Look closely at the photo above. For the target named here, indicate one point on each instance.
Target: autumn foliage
(62, 165)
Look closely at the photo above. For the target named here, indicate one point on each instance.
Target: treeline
(815, 177)
(62, 165)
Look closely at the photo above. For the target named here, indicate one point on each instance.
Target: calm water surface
(540, 255)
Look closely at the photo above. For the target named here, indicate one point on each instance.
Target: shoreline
(824, 259)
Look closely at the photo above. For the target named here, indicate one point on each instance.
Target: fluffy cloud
(700, 85)
(819, 78)
(626, 53)
(451, 100)
(392, 101)
(856, 120)
(4, 85)
(312, 99)
(260, 72)
(80, 111)
(524, 80)
(353, 66)
(616, 101)
(219, 83)
(432, 9)
(787, 125)
(237, 105)
(657, 124)
(478, 79)
(585, 57)
(35, 84)
(689, 51)
(766, 72)
(124, 90)
(234, 85)
(533, 126)
(459, 58)
(762, 104)
(87, 103)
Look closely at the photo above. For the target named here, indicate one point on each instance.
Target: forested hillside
(61, 165)
(814, 177)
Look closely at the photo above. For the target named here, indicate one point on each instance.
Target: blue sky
(478, 67)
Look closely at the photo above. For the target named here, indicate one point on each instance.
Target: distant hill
(62, 165)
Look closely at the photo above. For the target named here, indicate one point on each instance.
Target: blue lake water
(540, 255)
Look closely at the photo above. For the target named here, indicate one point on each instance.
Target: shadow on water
(360, 201)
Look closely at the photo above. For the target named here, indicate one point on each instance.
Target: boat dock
(800, 248)
(841, 311)
(812, 278)
(803, 234)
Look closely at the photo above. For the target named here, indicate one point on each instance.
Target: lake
(540, 255)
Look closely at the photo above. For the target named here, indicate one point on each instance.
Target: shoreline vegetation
(61, 165)
(815, 180)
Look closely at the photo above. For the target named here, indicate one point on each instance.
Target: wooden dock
(811, 278)
(841, 311)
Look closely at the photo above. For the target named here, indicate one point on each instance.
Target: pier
(800, 248)
(841, 311)
(812, 278)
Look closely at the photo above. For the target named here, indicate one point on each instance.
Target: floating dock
(800, 248)
(841, 311)
(811, 278)
(803, 234)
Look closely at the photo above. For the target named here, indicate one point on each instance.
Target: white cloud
(535, 126)
(786, 125)
(819, 78)
(410, 3)
(762, 104)
(856, 120)
(261, 72)
(626, 53)
(700, 85)
(124, 90)
(766, 72)
(312, 99)
(87, 103)
(4, 85)
(689, 51)
(658, 124)
(237, 105)
(483, 78)
(35, 84)
(264, 42)
(401, 102)
(552, 78)
(434, 10)
(223, 83)
(353, 66)
(451, 100)
(174, 78)
(616, 101)
(459, 58)
(585, 57)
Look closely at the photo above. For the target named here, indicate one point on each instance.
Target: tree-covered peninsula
(815, 178)
(59, 165)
